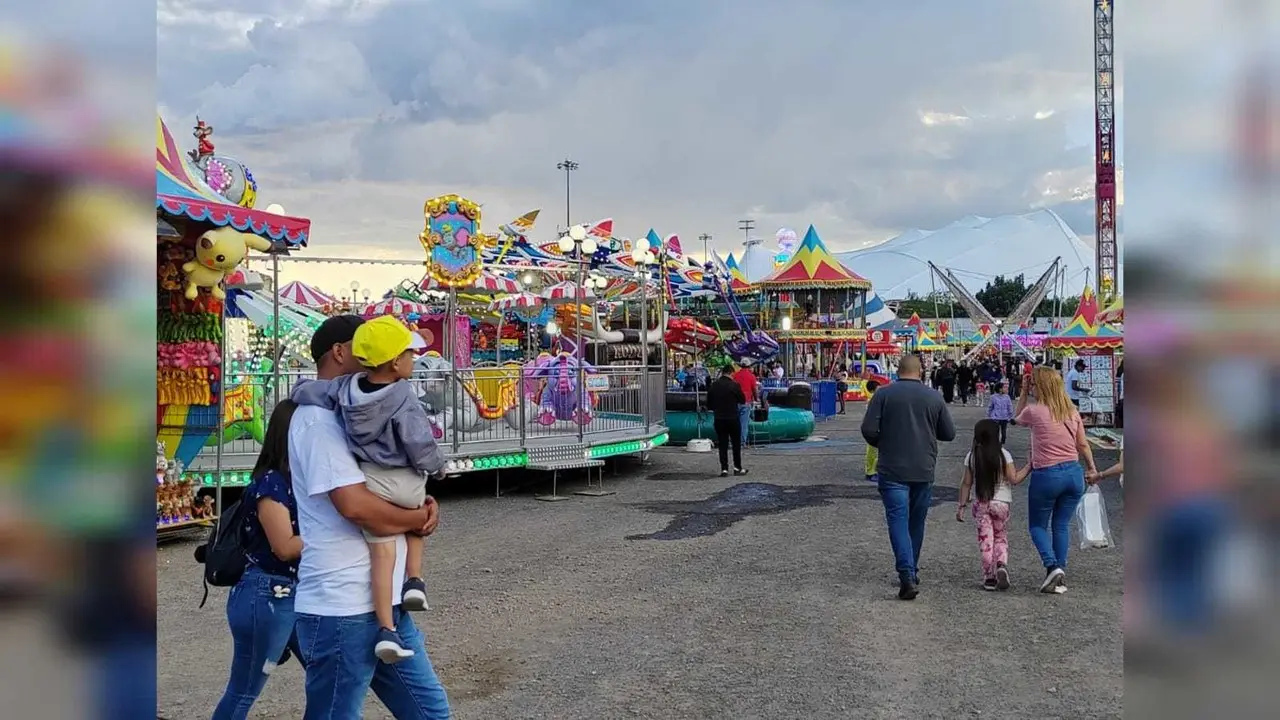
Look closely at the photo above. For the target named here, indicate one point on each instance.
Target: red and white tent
(567, 292)
(488, 283)
(305, 295)
(516, 301)
(394, 306)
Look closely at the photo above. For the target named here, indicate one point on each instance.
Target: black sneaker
(739, 471)
(390, 648)
(413, 596)
(989, 584)
(724, 473)
(1002, 577)
(1052, 578)
(907, 590)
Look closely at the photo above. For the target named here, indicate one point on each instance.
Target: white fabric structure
(756, 262)
(566, 292)
(395, 306)
(976, 249)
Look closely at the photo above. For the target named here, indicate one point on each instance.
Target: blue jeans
(744, 417)
(1052, 497)
(1186, 540)
(126, 679)
(261, 627)
(906, 506)
(341, 668)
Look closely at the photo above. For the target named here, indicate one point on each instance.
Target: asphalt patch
(703, 518)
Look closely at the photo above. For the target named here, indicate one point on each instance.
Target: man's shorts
(401, 486)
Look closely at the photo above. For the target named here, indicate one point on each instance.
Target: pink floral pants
(993, 541)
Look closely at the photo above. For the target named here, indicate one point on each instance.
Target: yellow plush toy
(218, 252)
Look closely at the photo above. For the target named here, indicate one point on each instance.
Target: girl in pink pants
(989, 473)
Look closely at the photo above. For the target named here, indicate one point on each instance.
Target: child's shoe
(989, 584)
(390, 648)
(1002, 577)
(413, 596)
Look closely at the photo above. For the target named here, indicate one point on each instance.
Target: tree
(935, 305)
(1001, 295)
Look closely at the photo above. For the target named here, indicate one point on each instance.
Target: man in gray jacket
(904, 422)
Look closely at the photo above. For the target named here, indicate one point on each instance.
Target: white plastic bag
(1091, 519)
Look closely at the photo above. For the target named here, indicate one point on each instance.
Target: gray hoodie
(388, 427)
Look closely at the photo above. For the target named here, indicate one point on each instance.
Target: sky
(862, 118)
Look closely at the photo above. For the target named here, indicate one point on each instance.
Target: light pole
(746, 226)
(567, 166)
(644, 259)
(355, 292)
(579, 242)
(705, 238)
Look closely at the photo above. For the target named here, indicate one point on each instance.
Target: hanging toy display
(218, 252)
(453, 241)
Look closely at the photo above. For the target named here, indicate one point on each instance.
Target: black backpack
(223, 553)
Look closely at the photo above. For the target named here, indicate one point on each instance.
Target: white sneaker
(389, 648)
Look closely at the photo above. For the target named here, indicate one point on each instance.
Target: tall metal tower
(1104, 149)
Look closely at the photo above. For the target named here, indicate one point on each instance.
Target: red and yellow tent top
(1084, 331)
(813, 267)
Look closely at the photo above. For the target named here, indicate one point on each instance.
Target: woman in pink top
(1057, 479)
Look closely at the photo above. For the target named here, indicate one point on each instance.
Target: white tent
(976, 249)
(756, 262)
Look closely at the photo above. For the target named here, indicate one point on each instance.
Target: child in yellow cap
(388, 432)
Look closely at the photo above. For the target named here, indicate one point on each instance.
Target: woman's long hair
(1052, 393)
(986, 459)
(275, 444)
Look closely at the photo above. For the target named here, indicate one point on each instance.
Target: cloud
(861, 118)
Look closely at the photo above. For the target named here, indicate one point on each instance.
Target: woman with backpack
(260, 606)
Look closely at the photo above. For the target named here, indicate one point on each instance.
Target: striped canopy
(567, 292)
(488, 284)
(394, 306)
(303, 294)
(517, 301)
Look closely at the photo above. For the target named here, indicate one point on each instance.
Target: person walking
(746, 380)
(842, 387)
(947, 381)
(1058, 442)
(989, 473)
(724, 397)
(964, 382)
(260, 610)
(336, 624)
(1000, 410)
(904, 422)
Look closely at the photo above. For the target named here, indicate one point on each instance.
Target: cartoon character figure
(453, 240)
(558, 397)
(218, 252)
(204, 146)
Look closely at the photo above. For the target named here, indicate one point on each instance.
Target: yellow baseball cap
(381, 340)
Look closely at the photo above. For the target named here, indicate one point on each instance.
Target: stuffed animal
(218, 252)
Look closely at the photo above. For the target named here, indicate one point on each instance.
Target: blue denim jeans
(906, 506)
(261, 628)
(126, 679)
(1052, 497)
(341, 669)
(744, 417)
(1187, 537)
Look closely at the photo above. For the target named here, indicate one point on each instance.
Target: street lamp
(355, 290)
(365, 294)
(567, 166)
(580, 243)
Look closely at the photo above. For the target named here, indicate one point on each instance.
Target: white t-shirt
(334, 576)
(1002, 493)
(1074, 376)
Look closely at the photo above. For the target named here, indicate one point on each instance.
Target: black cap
(336, 330)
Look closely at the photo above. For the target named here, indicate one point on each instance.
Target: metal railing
(505, 405)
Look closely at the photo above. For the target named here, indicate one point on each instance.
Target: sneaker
(1002, 577)
(414, 595)
(1052, 578)
(724, 473)
(739, 471)
(390, 648)
(989, 584)
(907, 590)
(1061, 587)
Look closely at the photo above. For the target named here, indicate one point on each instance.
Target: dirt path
(686, 595)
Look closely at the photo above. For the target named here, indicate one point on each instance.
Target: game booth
(1099, 345)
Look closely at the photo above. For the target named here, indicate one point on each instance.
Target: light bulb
(637, 256)
(786, 322)
(642, 245)
(566, 244)
(649, 258)
(577, 233)
(589, 246)
(553, 328)
(527, 279)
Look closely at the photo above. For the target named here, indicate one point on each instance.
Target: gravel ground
(686, 595)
